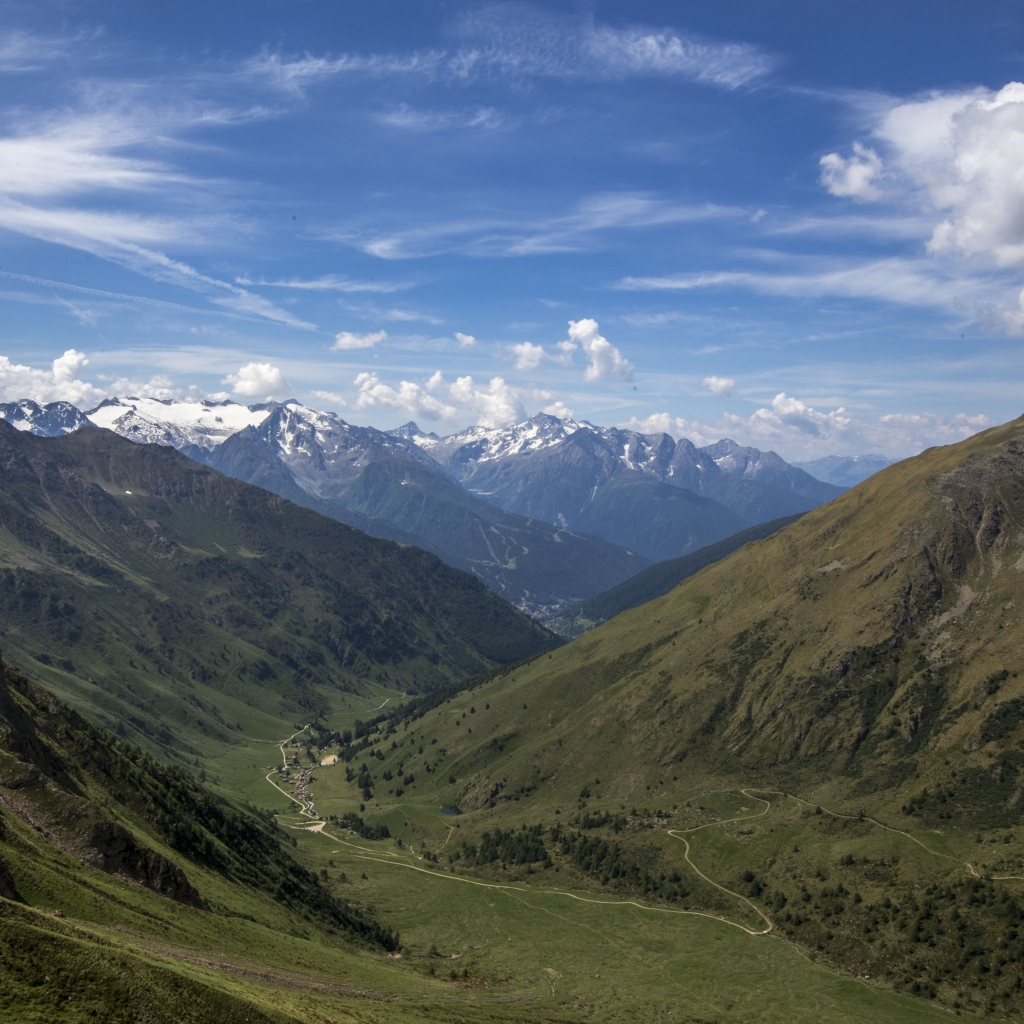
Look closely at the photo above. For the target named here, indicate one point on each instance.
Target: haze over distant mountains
(546, 512)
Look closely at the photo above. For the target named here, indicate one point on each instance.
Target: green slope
(93, 828)
(822, 732)
(262, 930)
(656, 580)
(183, 608)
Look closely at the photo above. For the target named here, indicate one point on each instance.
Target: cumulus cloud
(559, 409)
(604, 358)
(346, 340)
(496, 404)
(528, 356)
(256, 379)
(408, 396)
(60, 383)
(964, 152)
(956, 157)
(786, 412)
(720, 387)
(329, 397)
(854, 176)
(665, 423)
(465, 340)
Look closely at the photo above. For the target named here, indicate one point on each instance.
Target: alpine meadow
(511, 512)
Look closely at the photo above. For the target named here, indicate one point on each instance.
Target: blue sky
(798, 225)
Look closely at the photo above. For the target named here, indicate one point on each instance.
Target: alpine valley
(257, 764)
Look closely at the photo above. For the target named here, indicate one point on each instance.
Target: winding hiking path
(393, 859)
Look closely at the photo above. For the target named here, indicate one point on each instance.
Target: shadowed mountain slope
(656, 580)
(97, 827)
(175, 604)
(388, 486)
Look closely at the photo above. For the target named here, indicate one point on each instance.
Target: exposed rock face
(118, 852)
(8, 889)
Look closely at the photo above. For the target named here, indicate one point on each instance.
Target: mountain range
(547, 512)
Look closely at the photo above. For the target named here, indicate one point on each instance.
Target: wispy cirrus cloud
(902, 281)
(56, 174)
(521, 41)
(22, 51)
(409, 119)
(575, 231)
(330, 283)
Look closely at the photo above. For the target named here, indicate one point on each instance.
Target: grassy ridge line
(416, 709)
(55, 971)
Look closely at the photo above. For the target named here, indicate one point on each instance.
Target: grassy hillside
(820, 735)
(182, 608)
(656, 580)
(262, 929)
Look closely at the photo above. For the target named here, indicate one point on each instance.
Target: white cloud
(965, 151)
(528, 356)
(329, 397)
(346, 340)
(559, 409)
(658, 423)
(465, 340)
(520, 41)
(410, 397)
(496, 405)
(294, 75)
(21, 51)
(720, 387)
(854, 176)
(256, 379)
(955, 159)
(788, 413)
(604, 358)
(60, 383)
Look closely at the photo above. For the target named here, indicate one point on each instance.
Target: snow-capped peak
(183, 424)
(46, 420)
